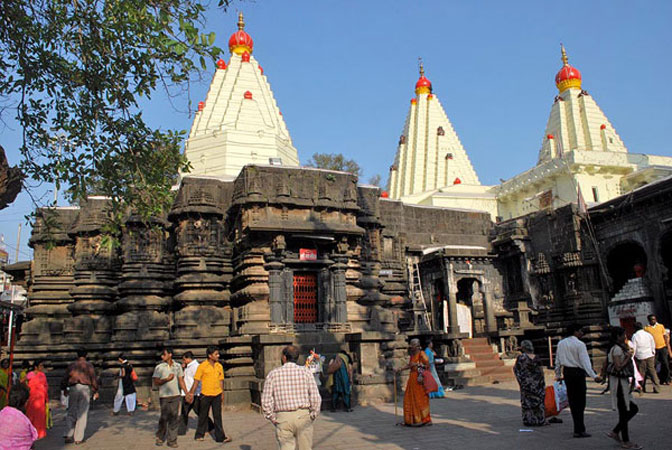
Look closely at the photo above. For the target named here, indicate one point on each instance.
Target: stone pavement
(483, 417)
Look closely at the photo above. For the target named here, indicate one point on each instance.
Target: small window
(596, 197)
(611, 140)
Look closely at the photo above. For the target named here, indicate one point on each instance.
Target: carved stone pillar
(95, 279)
(276, 288)
(52, 277)
(203, 261)
(340, 311)
(452, 299)
(147, 272)
(489, 307)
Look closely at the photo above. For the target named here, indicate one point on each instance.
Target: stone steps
(488, 367)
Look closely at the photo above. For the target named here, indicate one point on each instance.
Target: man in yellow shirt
(662, 342)
(210, 376)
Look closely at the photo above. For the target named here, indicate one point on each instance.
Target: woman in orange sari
(36, 408)
(416, 400)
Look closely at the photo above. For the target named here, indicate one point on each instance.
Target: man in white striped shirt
(572, 364)
(291, 401)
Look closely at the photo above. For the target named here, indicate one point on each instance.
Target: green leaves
(75, 71)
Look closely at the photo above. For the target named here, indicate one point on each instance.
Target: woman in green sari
(340, 380)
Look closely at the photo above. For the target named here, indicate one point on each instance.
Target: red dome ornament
(413, 101)
(423, 86)
(549, 136)
(457, 181)
(568, 77)
(201, 105)
(261, 69)
(247, 95)
(245, 57)
(384, 194)
(603, 127)
(240, 41)
(221, 64)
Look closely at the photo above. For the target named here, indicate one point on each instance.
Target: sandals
(614, 436)
(632, 446)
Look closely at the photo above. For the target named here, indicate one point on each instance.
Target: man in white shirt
(572, 364)
(190, 365)
(645, 355)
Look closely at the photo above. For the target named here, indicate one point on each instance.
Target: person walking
(209, 377)
(431, 355)
(530, 375)
(36, 408)
(126, 388)
(416, 400)
(661, 339)
(572, 364)
(190, 365)
(169, 377)
(17, 432)
(291, 402)
(645, 356)
(619, 369)
(78, 383)
(339, 381)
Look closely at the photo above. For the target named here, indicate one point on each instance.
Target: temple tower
(431, 167)
(430, 154)
(239, 122)
(581, 156)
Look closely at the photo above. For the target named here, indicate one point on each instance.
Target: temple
(431, 167)
(239, 122)
(257, 252)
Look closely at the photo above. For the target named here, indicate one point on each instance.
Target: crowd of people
(291, 399)
(629, 363)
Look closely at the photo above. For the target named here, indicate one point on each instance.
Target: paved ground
(486, 417)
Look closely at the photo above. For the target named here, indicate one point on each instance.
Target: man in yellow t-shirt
(661, 339)
(210, 376)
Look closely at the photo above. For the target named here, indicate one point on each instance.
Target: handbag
(428, 382)
(627, 371)
(555, 399)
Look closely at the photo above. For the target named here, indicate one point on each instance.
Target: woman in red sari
(416, 400)
(36, 408)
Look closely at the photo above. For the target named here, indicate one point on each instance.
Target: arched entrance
(624, 262)
(470, 306)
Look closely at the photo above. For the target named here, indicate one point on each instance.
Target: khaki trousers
(294, 430)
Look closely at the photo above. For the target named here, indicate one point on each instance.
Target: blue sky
(343, 73)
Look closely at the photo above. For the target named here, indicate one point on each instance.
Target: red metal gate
(305, 297)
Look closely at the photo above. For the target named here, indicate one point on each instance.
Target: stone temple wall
(229, 265)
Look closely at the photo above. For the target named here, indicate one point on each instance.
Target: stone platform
(481, 417)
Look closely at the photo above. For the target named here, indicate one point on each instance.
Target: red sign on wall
(308, 254)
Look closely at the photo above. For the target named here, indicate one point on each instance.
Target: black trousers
(575, 380)
(208, 402)
(664, 359)
(184, 417)
(624, 415)
(168, 422)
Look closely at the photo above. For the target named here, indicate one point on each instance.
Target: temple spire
(565, 61)
(241, 21)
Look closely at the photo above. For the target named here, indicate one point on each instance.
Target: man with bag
(572, 364)
(126, 389)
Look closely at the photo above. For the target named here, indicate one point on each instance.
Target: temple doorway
(305, 297)
(469, 305)
(625, 262)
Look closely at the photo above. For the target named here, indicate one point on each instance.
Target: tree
(10, 181)
(375, 180)
(77, 69)
(332, 161)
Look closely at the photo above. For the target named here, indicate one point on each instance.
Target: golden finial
(422, 68)
(241, 22)
(565, 61)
